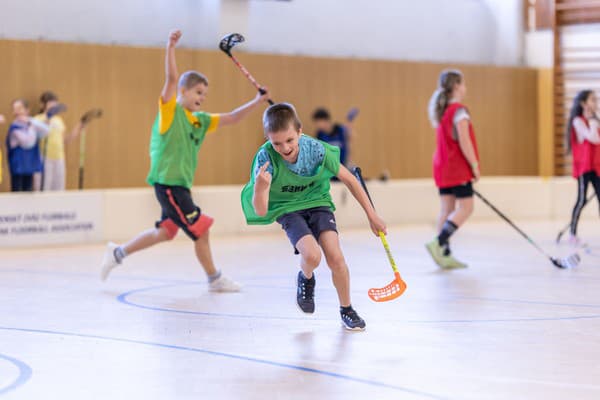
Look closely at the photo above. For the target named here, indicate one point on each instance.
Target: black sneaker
(352, 321)
(306, 293)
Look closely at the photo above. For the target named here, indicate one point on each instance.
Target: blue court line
(24, 374)
(123, 298)
(543, 303)
(335, 375)
(475, 321)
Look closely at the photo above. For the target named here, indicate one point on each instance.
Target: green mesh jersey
(174, 154)
(291, 192)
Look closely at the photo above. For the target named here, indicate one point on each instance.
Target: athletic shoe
(224, 285)
(436, 251)
(449, 262)
(305, 295)
(109, 261)
(352, 321)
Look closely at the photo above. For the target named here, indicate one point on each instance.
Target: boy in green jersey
(289, 183)
(177, 135)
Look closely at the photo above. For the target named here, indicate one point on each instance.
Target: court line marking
(316, 371)
(123, 298)
(24, 374)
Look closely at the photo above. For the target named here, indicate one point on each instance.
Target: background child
(335, 134)
(22, 147)
(455, 163)
(290, 184)
(177, 135)
(53, 146)
(583, 141)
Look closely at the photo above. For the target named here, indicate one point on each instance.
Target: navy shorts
(312, 221)
(460, 191)
(180, 212)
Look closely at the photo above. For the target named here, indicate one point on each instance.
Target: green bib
(290, 192)
(174, 154)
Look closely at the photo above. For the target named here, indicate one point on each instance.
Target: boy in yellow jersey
(177, 136)
(53, 146)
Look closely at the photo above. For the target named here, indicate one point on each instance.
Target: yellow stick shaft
(386, 246)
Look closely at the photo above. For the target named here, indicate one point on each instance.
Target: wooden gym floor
(511, 326)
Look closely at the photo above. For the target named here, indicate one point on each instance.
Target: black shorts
(460, 191)
(312, 221)
(179, 211)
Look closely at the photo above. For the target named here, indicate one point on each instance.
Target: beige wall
(392, 129)
(545, 122)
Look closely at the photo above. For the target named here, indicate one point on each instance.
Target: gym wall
(392, 130)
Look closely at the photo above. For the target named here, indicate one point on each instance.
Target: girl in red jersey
(455, 163)
(583, 140)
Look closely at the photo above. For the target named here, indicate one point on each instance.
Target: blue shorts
(312, 221)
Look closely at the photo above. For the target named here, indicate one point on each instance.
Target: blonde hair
(440, 99)
(189, 79)
(278, 118)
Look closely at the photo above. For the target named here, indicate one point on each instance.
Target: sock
(446, 248)
(304, 275)
(344, 310)
(447, 230)
(214, 277)
(119, 254)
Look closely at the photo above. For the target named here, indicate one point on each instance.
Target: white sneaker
(108, 262)
(224, 284)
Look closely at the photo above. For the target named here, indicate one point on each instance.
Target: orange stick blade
(389, 292)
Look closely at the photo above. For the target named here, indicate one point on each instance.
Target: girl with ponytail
(583, 140)
(455, 163)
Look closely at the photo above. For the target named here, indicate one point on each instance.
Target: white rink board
(119, 214)
(51, 218)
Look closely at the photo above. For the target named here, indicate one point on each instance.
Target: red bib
(450, 167)
(586, 156)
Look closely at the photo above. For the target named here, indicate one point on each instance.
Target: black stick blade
(57, 109)
(229, 41)
(568, 262)
(90, 115)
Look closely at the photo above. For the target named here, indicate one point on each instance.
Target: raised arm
(262, 185)
(360, 195)
(239, 113)
(349, 124)
(75, 132)
(466, 146)
(171, 74)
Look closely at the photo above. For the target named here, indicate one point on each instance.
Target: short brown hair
(48, 96)
(279, 117)
(189, 79)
